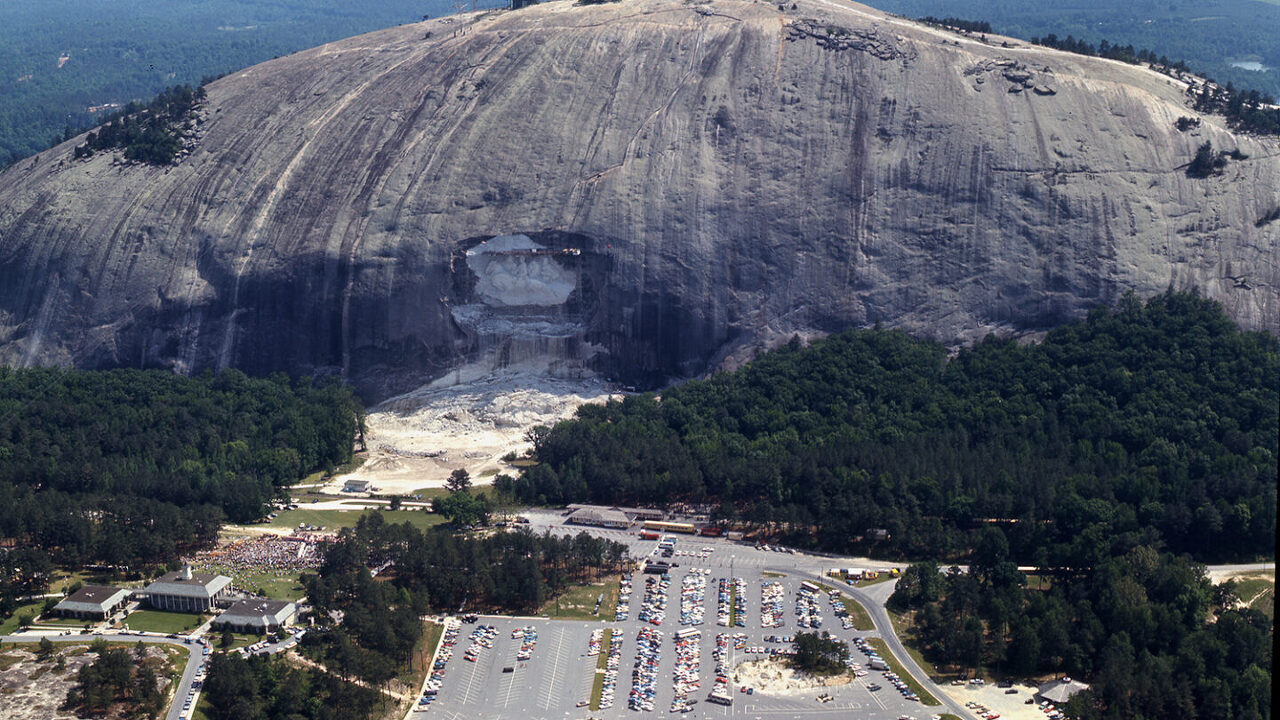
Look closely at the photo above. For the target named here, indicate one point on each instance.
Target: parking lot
(556, 679)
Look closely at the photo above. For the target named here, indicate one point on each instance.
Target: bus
(806, 585)
(660, 526)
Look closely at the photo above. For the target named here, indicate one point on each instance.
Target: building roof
(599, 515)
(91, 598)
(647, 513)
(201, 585)
(356, 483)
(258, 612)
(1059, 691)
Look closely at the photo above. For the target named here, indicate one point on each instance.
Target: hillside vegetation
(1153, 423)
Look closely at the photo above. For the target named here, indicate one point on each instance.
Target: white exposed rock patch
(513, 281)
(415, 440)
(773, 677)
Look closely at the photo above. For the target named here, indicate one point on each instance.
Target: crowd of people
(270, 555)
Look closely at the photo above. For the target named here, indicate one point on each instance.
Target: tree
(463, 508)
(1206, 162)
(819, 654)
(46, 648)
(396, 501)
(459, 481)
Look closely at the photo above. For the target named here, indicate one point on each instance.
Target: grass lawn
(597, 685)
(10, 623)
(64, 622)
(338, 519)
(428, 493)
(1266, 603)
(883, 651)
(202, 709)
(423, 655)
(276, 586)
(857, 613)
(238, 640)
(578, 602)
(163, 622)
(1250, 585)
(882, 577)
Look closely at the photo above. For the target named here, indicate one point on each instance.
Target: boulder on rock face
(679, 182)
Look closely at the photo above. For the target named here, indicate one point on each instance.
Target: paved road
(194, 656)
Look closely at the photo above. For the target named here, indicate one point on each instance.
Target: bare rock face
(636, 188)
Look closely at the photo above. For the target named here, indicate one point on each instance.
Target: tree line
(135, 468)
(1154, 420)
(1245, 110)
(1146, 629)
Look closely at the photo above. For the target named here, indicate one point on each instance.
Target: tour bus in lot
(806, 585)
(660, 526)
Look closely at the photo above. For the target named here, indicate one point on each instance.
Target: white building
(185, 591)
(93, 601)
(354, 485)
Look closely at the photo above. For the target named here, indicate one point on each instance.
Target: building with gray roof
(600, 517)
(1060, 691)
(257, 616)
(185, 591)
(97, 602)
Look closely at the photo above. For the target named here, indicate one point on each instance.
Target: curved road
(194, 656)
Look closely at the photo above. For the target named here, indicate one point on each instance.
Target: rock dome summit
(659, 184)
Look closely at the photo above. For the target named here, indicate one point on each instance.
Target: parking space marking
(550, 693)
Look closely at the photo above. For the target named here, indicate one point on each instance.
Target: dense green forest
(1208, 34)
(1147, 630)
(59, 58)
(130, 467)
(267, 687)
(1155, 422)
(434, 570)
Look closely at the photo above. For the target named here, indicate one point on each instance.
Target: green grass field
(64, 622)
(10, 623)
(857, 614)
(882, 577)
(423, 656)
(578, 602)
(163, 622)
(276, 586)
(917, 688)
(597, 685)
(338, 519)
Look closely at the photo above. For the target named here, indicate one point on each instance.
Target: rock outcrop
(689, 178)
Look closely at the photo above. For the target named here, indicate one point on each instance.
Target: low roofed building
(185, 591)
(257, 616)
(1060, 691)
(600, 517)
(93, 601)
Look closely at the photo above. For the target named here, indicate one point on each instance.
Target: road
(194, 656)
